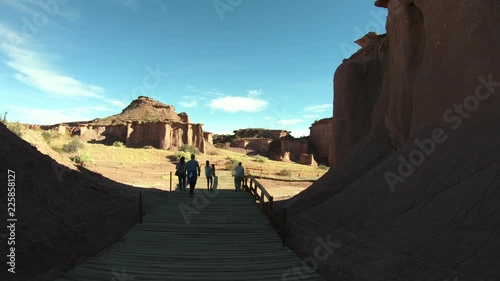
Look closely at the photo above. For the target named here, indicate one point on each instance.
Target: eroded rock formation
(275, 144)
(260, 133)
(434, 76)
(145, 122)
(321, 140)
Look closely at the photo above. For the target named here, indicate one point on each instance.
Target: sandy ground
(281, 189)
(149, 176)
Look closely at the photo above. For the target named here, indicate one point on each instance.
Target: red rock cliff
(436, 69)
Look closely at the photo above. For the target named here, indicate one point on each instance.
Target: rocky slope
(144, 109)
(415, 192)
(64, 215)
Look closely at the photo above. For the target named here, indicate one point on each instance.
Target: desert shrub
(16, 128)
(72, 146)
(322, 167)
(118, 144)
(57, 149)
(4, 118)
(213, 152)
(50, 135)
(82, 159)
(285, 173)
(259, 159)
(47, 136)
(179, 154)
(190, 149)
(231, 163)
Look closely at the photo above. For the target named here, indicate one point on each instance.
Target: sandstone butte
(145, 122)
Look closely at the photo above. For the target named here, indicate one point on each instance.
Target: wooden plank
(227, 238)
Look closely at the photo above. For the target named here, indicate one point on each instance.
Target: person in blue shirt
(193, 172)
(239, 175)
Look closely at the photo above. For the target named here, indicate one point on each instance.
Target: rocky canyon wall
(321, 140)
(432, 69)
(161, 135)
(436, 70)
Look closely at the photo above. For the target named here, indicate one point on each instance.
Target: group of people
(190, 171)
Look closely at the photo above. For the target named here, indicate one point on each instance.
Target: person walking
(239, 175)
(216, 179)
(209, 175)
(193, 172)
(180, 172)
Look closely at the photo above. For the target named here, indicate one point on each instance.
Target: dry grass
(156, 163)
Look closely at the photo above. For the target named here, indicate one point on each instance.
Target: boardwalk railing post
(170, 181)
(284, 228)
(271, 210)
(140, 207)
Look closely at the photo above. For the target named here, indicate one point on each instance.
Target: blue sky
(229, 64)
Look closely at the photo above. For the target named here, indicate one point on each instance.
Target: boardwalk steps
(228, 238)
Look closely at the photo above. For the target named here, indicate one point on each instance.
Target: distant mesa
(145, 122)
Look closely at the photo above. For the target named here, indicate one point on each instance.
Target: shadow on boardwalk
(225, 237)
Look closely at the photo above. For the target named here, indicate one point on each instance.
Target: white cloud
(213, 92)
(289, 121)
(8, 36)
(34, 71)
(48, 10)
(300, 133)
(116, 103)
(54, 116)
(318, 108)
(191, 89)
(311, 116)
(189, 104)
(238, 104)
(268, 118)
(254, 93)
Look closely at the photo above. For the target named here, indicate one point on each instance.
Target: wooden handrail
(253, 188)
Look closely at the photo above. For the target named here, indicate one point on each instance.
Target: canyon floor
(152, 168)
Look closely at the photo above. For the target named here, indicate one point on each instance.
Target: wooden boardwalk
(222, 235)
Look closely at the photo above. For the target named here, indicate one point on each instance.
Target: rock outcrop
(321, 140)
(416, 122)
(307, 159)
(275, 144)
(296, 147)
(145, 122)
(252, 133)
(358, 83)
